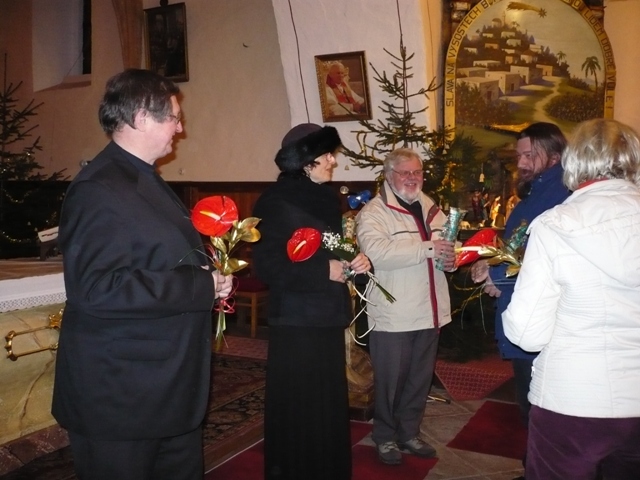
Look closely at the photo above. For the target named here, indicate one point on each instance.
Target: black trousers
(522, 372)
(171, 458)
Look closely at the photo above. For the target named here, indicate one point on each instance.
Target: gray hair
(601, 148)
(397, 156)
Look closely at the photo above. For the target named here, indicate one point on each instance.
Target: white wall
(241, 100)
(57, 33)
(235, 103)
(337, 26)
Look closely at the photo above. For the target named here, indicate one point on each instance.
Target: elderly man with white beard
(399, 230)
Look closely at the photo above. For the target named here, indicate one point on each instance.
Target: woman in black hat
(306, 407)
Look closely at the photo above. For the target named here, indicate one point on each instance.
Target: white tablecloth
(30, 291)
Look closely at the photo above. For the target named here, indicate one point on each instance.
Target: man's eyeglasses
(408, 173)
(176, 118)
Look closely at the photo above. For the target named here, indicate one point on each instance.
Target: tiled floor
(441, 423)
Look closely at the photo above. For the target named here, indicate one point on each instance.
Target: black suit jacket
(135, 343)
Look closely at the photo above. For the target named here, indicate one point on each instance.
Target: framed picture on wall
(166, 41)
(343, 87)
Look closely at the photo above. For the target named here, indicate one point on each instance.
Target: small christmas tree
(25, 207)
(448, 164)
(14, 131)
(451, 172)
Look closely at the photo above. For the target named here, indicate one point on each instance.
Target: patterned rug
(244, 347)
(236, 413)
(233, 422)
(475, 379)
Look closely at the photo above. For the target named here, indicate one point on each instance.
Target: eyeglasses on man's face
(404, 174)
(176, 118)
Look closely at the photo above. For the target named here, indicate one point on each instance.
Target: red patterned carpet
(233, 422)
(475, 379)
(236, 418)
(244, 347)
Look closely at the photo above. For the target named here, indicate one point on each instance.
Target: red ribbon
(227, 304)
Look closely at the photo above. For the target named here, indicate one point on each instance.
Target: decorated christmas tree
(28, 204)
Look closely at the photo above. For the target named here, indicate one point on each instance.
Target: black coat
(300, 293)
(135, 343)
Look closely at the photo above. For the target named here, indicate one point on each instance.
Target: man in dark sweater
(539, 151)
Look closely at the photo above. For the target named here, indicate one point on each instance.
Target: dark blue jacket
(547, 191)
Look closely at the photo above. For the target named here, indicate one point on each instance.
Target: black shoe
(418, 447)
(388, 453)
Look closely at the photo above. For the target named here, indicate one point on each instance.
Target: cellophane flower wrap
(450, 229)
(217, 217)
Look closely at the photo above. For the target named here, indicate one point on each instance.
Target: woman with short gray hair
(577, 300)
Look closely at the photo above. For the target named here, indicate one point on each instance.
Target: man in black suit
(132, 371)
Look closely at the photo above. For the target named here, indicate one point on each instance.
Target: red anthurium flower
(214, 216)
(486, 236)
(303, 244)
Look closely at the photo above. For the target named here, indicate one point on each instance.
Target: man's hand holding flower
(223, 284)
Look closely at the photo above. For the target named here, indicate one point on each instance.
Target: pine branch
(443, 159)
(15, 129)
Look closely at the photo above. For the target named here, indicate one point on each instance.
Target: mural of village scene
(513, 63)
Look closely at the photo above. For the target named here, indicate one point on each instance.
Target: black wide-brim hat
(303, 144)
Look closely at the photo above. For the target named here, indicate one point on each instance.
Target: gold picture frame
(166, 41)
(343, 87)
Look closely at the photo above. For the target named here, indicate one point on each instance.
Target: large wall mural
(510, 64)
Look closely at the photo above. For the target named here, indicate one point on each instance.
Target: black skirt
(307, 434)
